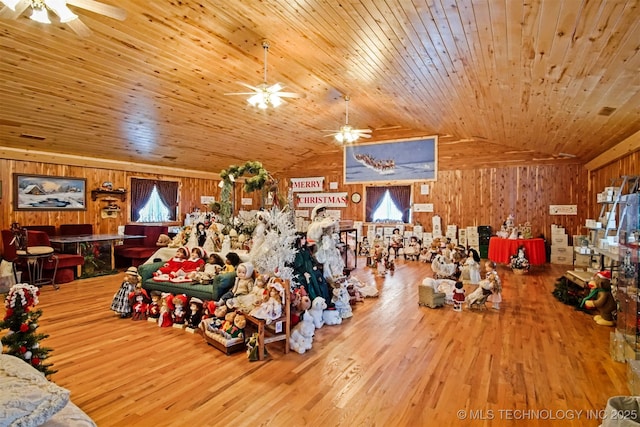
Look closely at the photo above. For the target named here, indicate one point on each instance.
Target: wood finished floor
(393, 363)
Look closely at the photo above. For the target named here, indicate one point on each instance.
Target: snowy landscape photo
(405, 160)
(42, 192)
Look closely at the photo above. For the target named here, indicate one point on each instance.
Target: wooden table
(92, 252)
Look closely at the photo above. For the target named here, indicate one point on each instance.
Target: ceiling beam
(624, 148)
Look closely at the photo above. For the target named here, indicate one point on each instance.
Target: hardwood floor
(392, 363)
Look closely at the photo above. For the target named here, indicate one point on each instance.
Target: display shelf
(96, 194)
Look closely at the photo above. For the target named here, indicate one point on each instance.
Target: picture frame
(414, 159)
(49, 193)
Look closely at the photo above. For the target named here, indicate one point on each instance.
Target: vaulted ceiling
(501, 82)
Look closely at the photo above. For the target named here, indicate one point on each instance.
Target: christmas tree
(21, 319)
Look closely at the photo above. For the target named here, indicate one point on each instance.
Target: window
(387, 211)
(153, 200)
(388, 204)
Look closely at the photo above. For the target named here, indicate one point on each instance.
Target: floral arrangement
(519, 261)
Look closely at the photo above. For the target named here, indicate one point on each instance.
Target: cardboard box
(463, 240)
(418, 230)
(462, 232)
(580, 260)
(562, 250)
(560, 240)
(562, 259)
(473, 240)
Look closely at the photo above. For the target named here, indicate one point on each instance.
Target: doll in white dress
(271, 309)
(472, 265)
(496, 285)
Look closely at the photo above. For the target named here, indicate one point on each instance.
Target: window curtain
(401, 196)
(168, 192)
(140, 192)
(374, 198)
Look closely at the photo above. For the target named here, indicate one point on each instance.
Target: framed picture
(47, 193)
(403, 160)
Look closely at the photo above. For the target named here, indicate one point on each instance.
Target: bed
(27, 398)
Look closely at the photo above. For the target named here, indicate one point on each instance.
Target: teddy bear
(302, 334)
(603, 299)
(236, 330)
(318, 305)
(300, 302)
(331, 317)
(163, 241)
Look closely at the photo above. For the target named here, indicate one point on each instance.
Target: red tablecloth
(500, 250)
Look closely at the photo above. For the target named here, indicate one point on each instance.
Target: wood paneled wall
(460, 197)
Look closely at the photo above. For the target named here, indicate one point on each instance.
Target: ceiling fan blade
(100, 8)
(364, 135)
(288, 95)
(253, 88)
(275, 87)
(7, 13)
(362, 130)
(79, 27)
(240, 93)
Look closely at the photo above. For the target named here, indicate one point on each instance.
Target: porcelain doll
(120, 303)
(412, 251)
(173, 265)
(255, 297)
(165, 320)
(472, 264)
(194, 263)
(153, 311)
(396, 243)
(201, 234)
(139, 299)
(179, 310)
(496, 285)
(321, 233)
(271, 309)
(194, 316)
(458, 296)
(211, 269)
(231, 261)
(243, 283)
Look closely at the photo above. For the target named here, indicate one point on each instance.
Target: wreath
(261, 180)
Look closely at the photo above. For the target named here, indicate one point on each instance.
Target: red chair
(75, 229)
(134, 252)
(67, 263)
(49, 229)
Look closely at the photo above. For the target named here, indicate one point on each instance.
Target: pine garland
(21, 319)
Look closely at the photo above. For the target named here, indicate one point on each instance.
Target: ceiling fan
(265, 95)
(347, 134)
(40, 11)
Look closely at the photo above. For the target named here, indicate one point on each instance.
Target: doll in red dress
(174, 264)
(194, 263)
(179, 310)
(165, 319)
(139, 300)
(458, 296)
(153, 311)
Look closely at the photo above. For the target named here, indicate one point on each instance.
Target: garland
(261, 179)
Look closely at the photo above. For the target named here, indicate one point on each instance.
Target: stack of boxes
(452, 234)
(473, 240)
(561, 252)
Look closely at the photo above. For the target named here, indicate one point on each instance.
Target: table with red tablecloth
(501, 250)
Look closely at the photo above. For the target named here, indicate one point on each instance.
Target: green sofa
(213, 291)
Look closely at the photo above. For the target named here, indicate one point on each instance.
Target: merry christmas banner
(331, 200)
(307, 184)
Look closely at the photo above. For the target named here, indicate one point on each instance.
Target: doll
(424, 256)
(179, 310)
(194, 263)
(496, 285)
(236, 330)
(208, 307)
(413, 249)
(242, 285)
(365, 247)
(271, 309)
(173, 265)
(120, 303)
(227, 323)
(211, 269)
(231, 261)
(201, 234)
(321, 232)
(472, 265)
(604, 300)
(139, 299)
(458, 296)
(165, 319)
(519, 261)
(194, 315)
(219, 315)
(396, 243)
(255, 297)
(153, 311)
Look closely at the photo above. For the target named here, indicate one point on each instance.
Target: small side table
(35, 257)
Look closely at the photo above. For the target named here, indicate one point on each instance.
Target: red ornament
(24, 327)
(35, 361)
(23, 349)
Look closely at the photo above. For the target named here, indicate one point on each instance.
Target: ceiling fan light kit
(347, 134)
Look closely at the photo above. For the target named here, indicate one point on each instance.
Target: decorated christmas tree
(21, 319)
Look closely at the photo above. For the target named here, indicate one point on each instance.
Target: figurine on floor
(458, 296)
(472, 265)
(395, 243)
(412, 251)
(153, 310)
(139, 299)
(604, 301)
(496, 285)
(179, 310)
(194, 316)
(165, 320)
(120, 303)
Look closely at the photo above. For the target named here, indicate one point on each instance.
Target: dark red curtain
(400, 195)
(141, 190)
(168, 192)
(373, 197)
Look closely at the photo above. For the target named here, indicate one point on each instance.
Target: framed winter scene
(47, 193)
(391, 161)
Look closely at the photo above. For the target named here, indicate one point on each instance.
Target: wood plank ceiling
(502, 82)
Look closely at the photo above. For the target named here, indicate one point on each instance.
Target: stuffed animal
(236, 330)
(163, 241)
(331, 317)
(604, 300)
(300, 302)
(302, 334)
(318, 305)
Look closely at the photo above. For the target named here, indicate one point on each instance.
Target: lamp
(347, 134)
(39, 13)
